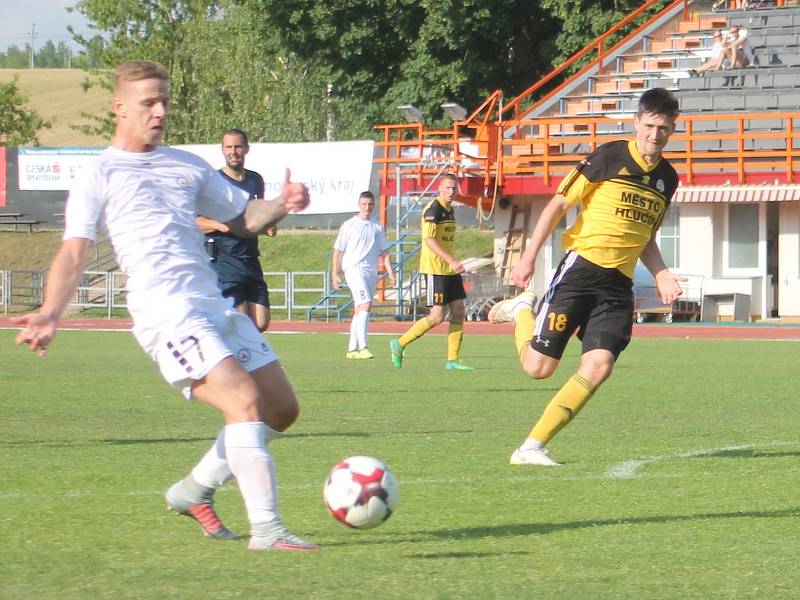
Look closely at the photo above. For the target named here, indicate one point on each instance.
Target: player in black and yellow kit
(624, 190)
(443, 274)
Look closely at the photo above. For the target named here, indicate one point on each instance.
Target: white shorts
(362, 284)
(186, 350)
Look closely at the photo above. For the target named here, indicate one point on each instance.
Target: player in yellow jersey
(443, 277)
(624, 190)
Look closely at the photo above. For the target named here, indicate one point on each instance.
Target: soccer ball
(360, 492)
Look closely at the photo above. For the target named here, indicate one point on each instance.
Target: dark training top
(236, 258)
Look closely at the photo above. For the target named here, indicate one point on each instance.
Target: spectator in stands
(738, 50)
(233, 258)
(714, 62)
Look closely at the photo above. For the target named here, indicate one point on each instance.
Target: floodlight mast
(410, 113)
(455, 111)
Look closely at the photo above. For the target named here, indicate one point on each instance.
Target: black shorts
(252, 290)
(444, 289)
(592, 300)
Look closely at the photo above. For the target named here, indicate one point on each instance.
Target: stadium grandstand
(734, 224)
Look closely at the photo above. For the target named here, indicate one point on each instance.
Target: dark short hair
(366, 194)
(236, 132)
(660, 102)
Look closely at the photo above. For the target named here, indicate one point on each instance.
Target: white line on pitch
(628, 469)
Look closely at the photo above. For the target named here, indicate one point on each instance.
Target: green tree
(225, 68)
(18, 126)
(584, 20)
(47, 56)
(267, 65)
(91, 56)
(382, 53)
(15, 57)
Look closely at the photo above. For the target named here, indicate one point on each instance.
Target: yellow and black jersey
(439, 223)
(623, 200)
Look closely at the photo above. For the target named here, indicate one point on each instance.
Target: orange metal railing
(555, 146)
(750, 147)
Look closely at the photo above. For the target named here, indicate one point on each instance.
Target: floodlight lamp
(455, 111)
(410, 113)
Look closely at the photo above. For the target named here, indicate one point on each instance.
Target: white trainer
(274, 536)
(504, 311)
(533, 456)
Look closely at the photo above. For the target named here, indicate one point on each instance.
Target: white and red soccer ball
(361, 492)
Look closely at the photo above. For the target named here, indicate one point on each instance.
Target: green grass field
(680, 477)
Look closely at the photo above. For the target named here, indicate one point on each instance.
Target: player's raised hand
(294, 195)
(37, 331)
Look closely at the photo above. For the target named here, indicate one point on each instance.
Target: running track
(675, 330)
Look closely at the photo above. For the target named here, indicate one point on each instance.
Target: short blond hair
(451, 176)
(136, 70)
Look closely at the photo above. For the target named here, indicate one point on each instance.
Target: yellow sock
(454, 336)
(564, 406)
(417, 330)
(524, 323)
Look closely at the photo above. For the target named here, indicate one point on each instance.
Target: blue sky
(50, 16)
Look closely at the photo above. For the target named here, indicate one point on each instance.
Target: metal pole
(399, 249)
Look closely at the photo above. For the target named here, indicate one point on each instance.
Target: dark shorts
(444, 289)
(252, 290)
(593, 301)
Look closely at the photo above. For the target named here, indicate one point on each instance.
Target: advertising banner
(335, 172)
(51, 168)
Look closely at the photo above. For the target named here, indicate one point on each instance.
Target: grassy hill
(291, 250)
(57, 94)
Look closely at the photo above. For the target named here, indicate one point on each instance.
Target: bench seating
(16, 222)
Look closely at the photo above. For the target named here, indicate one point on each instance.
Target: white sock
(362, 320)
(352, 346)
(213, 470)
(252, 466)
(531, 444)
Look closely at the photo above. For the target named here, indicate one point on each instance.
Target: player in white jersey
(359, 247)
(145, 198)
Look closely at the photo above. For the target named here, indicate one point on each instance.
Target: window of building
(742, 236)
(669, 238)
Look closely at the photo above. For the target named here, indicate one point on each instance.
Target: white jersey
(362, 241)
(146, 204)
(745, 46)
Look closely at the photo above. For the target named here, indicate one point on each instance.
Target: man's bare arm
(66, 272)
(260, 214)
(207, 225)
